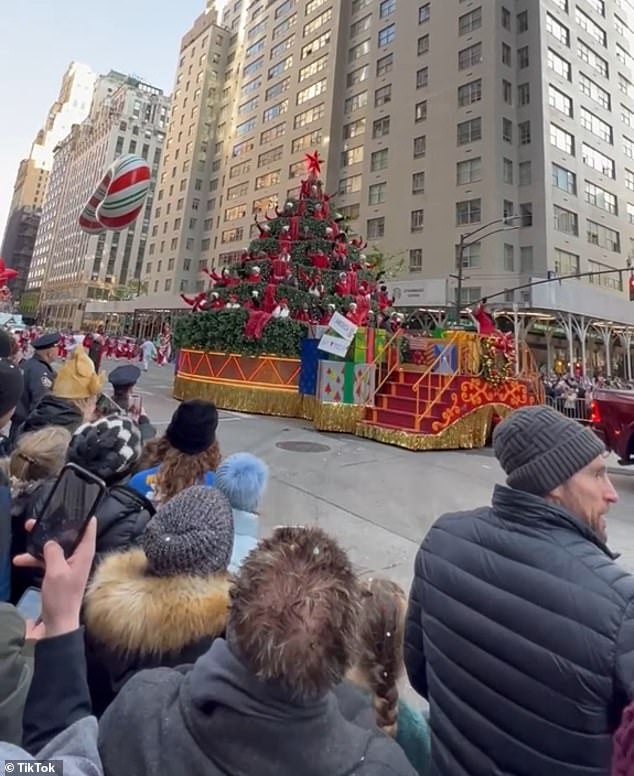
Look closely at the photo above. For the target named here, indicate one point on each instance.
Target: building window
(420, 111)
(523, 59)
(509, 258)
(604, 200)
(349, 185)
(507, 130)
(469, 171)
(423, 45)
(358, 51)
(418, 183)
(562, 140)
(522, 21)
(564, 179)
(375, 228)
(524, 94)
(508, 171)
(385, 64)
(559, 101)
(383, 96)
(506, 18)
(598, 161)
(612, 281)
(507, 55)
(309, 140)
(387, 35)
(377, 193)
(350, 212)
(469, 131)
(381, 127)
(416, 260)
(312, 91)
(628, 176)
(352, 156)
(592, 59)
(356, 102)
(596, 125)
(470, 56)
(422, 77)
(308, 116)
(362, 25)
(386, 8)
(594, 91)
(559, 65)
(566, 221)
(606, 238)
(354, 129)
(424, 13)
(379, 160)
(593, 29)
(508, 209)
(630, 212)
(272, 134)
(470, 22)
(507, 91)
(420, 146)
(524, 130)
(470, 256)
(417, 220)
(264, 181)
(470, 93)
(469, 211)
(566, 263)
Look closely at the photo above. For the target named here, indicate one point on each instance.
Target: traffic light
(631, 288)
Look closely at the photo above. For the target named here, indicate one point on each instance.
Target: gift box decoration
(364, 383)
(309, 366)
(368, 346)
(330, 381)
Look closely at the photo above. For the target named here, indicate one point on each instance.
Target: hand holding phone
(67, 510)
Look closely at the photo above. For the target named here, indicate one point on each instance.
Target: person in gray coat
(261, 701)
(520, 628)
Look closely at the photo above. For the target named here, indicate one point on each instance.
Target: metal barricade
(575, 408)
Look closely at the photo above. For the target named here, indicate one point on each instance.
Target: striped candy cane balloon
(119, 198)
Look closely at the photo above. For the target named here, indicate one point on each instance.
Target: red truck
(612, 418)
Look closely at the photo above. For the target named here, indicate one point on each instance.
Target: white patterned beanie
(108, 448)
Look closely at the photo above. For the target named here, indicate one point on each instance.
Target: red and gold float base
(441, 413)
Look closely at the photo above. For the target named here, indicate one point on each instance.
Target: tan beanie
(77, 379)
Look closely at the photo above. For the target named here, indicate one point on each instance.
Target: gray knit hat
(192, 533)
(539, 449)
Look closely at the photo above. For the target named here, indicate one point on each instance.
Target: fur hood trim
(128, 611)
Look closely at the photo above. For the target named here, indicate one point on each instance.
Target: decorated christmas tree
(304, 266)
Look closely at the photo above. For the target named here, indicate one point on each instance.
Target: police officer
(38, 378)
(123, 379)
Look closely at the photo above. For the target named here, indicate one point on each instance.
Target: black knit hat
(108, 447)
(192, 429)
(11, 385)
(539, 449)
(191, 533)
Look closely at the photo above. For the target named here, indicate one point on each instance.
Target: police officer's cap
(128, 374)
(46, 341)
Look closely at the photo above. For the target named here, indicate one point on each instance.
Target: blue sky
(41, 37)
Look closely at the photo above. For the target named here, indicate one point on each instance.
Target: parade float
(302, 327)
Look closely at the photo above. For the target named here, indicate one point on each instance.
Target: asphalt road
(379, 501)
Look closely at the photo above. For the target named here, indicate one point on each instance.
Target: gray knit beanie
(539, 449)
(190, 534)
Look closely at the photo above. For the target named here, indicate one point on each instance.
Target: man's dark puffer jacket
(520, 633)
(121, 519)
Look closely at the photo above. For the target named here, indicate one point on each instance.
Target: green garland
(498, 360)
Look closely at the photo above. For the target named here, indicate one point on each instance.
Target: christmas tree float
(302, 268)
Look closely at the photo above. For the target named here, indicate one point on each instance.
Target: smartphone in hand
(67, 510)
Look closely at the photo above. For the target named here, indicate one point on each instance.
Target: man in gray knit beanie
(519, 616)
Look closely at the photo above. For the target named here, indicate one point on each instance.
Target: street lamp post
(466, 242)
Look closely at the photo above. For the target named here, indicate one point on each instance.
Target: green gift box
(367, 346)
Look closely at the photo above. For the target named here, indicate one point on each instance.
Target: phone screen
(69, 507)
(107, 406)
(30, 604)
(135, 406)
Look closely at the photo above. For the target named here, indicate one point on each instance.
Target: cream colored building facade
(71, 267)
(433, 118)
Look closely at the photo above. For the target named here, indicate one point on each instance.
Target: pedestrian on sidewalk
(149, 352)
(520, 626)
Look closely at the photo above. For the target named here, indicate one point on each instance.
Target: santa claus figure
(223, 280)
(280, 268)
(303, 315)
(195, 302)
(383, 298)
(255, 275)
(215, 302)
(253, 303)
(484, 320)
(342, 286)
(282, 311)
(268, 303)
(233, 303)
(353, 314)
(319, 260)
(316, 288)
(327, 314)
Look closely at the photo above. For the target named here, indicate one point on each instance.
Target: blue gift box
(446, 359)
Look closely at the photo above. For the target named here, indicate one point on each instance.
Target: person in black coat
(520, 628)
(39, 376)
(164, 603)
(110, 449)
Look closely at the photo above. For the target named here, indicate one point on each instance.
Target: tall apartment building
(71, 267)
(70, 107)
(434, 117)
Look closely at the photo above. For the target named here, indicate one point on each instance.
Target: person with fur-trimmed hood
(260, 701)
(242, 477)
(164, 603)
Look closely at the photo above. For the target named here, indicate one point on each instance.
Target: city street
(378, 500)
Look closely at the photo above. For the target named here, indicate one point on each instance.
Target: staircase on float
(395, 401)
